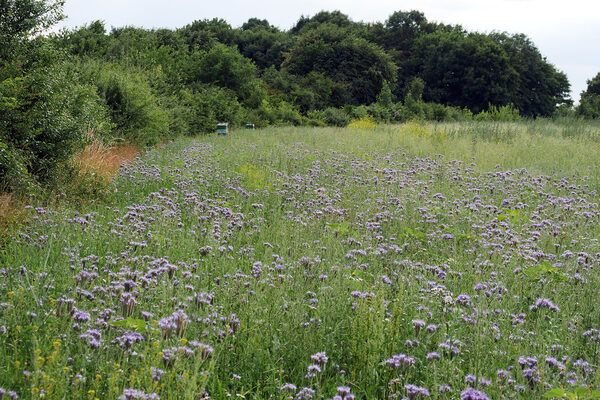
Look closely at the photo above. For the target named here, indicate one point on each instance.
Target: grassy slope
(285, 242)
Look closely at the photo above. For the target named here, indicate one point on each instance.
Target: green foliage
(385, 96)
(204, 34)
(22, 19)
(134, 109)
(335, 117)
(402, 28)
(275, 111)
(45, 120)
(413, 101)
(358, 66)
(263, 44)
(14, 173)
(589, 106)
(90, 40)
(204, 108)
(225, 67)
(335, 18)
(462, 69)
(149, 85)
(538, 88)
(581, 393)
(503, 113)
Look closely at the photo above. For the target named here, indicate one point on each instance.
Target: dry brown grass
(10, 206)
(12, 212)
(96, 159)
(104, 161)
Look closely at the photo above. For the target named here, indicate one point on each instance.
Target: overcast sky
(566, 32)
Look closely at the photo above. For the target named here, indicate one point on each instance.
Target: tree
(89, 40)
(465, 70)
(225, 67)
(336, 18)
(589, 105)
(22, 19)
(357, 66)
(402, 28)
(539, 88)
(263, 44)
(44, 111)
(203, 34)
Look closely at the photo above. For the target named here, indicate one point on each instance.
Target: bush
(44, 117)
(503, 113)
(357, 111)
(335, 117)
(435, 112)
(135, 110)
(13, 170)
(205, 108)
(275, 111)
(381, 113)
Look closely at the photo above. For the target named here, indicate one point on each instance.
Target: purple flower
(472, 394)
(415, 392)
(400, 360)
(313, 370)
(593, 335)
(418, 324)
(305, 394)
(128, 339)
(81, 316)
(157, 373)
(343, 393)
(544, 303)
(9, 393)
(288, 387)
(135, 394)
(530, 362)
(320, 358)
(93, 337)
(463, 300)
(445, 389)
(205, 350)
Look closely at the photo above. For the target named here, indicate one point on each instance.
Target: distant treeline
(146, 86)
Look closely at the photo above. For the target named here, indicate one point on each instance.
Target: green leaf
(595, 395)
(138, 325)
(555, 393)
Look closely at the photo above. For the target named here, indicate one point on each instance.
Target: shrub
(276, 112)
(203, 109)
(13, 169)
(381, 113)
(502, 113)
(135, 110)
(43, 120)
(336, 117)
(435, 112)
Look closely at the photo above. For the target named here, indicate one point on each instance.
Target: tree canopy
(589, 105)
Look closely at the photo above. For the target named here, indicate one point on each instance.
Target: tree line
(147, 85)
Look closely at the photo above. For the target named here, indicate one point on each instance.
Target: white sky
(567, 33)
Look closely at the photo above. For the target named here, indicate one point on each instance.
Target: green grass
(281, 243)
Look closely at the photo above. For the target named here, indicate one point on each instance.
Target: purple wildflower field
(292, 268)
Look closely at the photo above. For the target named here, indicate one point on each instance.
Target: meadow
(442, 261)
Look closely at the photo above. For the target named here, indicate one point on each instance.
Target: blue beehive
(222, 128)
